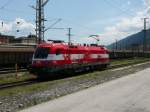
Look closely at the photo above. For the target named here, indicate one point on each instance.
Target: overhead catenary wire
(4, 8)
(14, 11)
(52, 25)
(6, 4)
(82, 27)
(113, 4)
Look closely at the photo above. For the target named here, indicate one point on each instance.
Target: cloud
(126, 25)
(20, 24)
(123, 26)
(146, 3)
(128, 2)
(5, 27)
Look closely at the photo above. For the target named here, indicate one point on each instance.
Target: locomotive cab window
(41, 53)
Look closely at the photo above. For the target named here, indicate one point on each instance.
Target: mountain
(133, 41)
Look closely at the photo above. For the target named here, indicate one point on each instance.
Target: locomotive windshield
(41, 53)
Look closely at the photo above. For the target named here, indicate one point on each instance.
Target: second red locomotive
(59, 56)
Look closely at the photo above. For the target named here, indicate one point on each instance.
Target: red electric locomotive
(58, 56)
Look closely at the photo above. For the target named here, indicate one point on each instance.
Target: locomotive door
(66, 55)
(87, 55)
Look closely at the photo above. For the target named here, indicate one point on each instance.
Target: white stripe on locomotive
(55, 57)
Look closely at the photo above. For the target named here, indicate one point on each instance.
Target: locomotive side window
(58, 51)
(41, 53)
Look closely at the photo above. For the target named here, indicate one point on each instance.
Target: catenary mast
(40, 19)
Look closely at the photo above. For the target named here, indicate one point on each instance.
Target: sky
(110, 19)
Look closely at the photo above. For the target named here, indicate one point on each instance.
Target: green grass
(23, 89)
(12, 78)
(128, 61)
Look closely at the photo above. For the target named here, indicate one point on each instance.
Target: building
(5, 39)
(31, 39)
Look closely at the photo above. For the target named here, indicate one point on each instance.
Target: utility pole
(69, 36)
(145, 35)
(36, 29)
(116, 44)
(69, 33)
(40, 19)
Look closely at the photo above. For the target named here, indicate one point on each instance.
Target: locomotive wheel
(91, 68)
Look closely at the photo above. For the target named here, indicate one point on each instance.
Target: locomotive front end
(41, 60)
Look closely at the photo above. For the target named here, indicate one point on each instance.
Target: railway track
(17, 84)
(11, 70)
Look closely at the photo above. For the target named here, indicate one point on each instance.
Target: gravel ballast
(17, 102)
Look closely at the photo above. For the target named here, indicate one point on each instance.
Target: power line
(14, 11)
(83, 28)
(118, 8)
(6, 3)
(10, 20)
(69, 33)
(3, 8)
(52, 25)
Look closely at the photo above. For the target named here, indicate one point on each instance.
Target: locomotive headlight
(54, 62)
